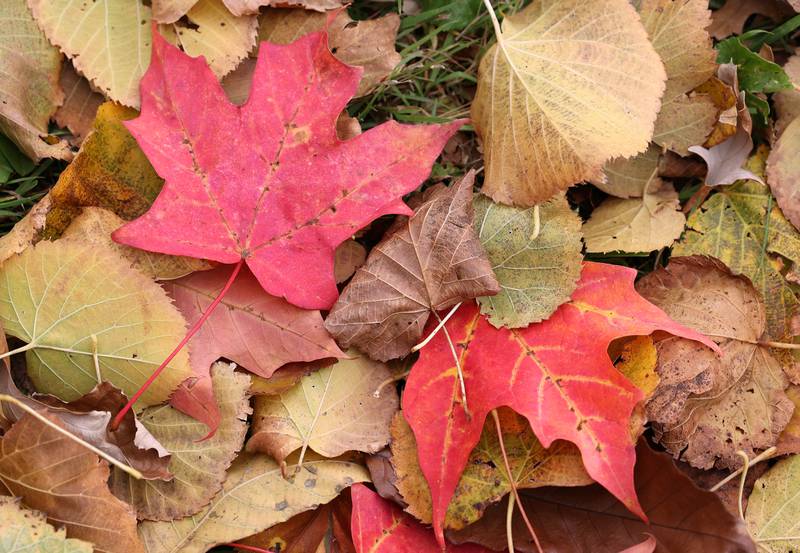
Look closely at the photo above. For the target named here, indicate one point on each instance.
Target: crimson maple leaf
(269, 182)
(556, 373)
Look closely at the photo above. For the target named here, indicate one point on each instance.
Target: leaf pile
(270, 290)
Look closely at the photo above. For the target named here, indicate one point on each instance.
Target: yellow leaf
(628, 177)
(773, 506)
(569, 85)
(23, 530)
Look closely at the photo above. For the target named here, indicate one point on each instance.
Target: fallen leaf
(637, 361)
(110, 171)
(536, 370)
(629, 177)
(636, 224)
(677, 29)
(599, 99)
(756, 74)
(57, 296)
(254, 329)
(725, 98)
(198, 464)
(208, 29)
(169, 11)
(731, 18)
(253, 498)
(378, 526)
(285, 378)
(53, 474)
(79, 109)
(787, 102)
(332, 411)
(325, 529)
(383, 474)
(537, 268)
(789, 439)
(241, 7)
(30, 93)
(783, 172)
(485, 480)
(683, 518)
(350, 255)
(94, 225)
(368, 44)
(24, 530)
(773, 506)
(108, 41)
(286, 233)
(741, 404)
(430, 262)
(27, 231)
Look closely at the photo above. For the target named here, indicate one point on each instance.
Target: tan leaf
(637, 224)
(677, 29)
(212, 32)
(783, 172)
(564, 91)
(80, 105)
(95, 225)
(331, 411)
(27, 231)
(26, 531)
(29, 90)
(789, 440)
(254, 497)
(741, 404)
(108, 41)
(430, 262)
(368, 44)
(242, 7)
(628, 177)
(787, 102)
(773, 506)
(53, 474)
(731, 18)
(169, 11)
(198, 465)
(350, 255)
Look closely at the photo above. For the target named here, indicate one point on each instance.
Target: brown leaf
(56, 475)
(383, 476)
(430, 262)
(730, 18)
(787, 102)
(242, 7)
(789, 440)
(707, 408)
(683, 518)
(350, 255)
(783, 172)
(80, 105)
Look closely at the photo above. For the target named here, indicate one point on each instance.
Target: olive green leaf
(773, 506)
(198, 465)
(26, 531)
(537, 272)
(87, 316)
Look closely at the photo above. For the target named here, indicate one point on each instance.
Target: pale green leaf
(26, 531)
(773, 507)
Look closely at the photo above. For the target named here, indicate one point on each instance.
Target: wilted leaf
(739, 403)
(198, 465)
(485, 480)
(789, 440)
(254, 329)
(29, 90)
(25, 531)
(783, 172)
(107, 41)
(332, 411)
(350, 255)
(683, 518)
(27, 231)
(94, 226)
(241, 7)
(110, 171)
(87, 316)
(731, 18)
(538, 269)
(368, 44)
(773, 506)
(79, 109)
(560, 379)
(636, 224)
(254, 497)
(677, 29)
(563, 92)
(209, 30)
(430, 262)
(51, 473)
(629, 177)
(379, 526)
(300, 191)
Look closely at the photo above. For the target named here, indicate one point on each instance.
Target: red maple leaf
(379, 526)
(269, 182)
(556, 373)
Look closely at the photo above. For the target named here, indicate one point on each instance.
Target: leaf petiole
(20, 349)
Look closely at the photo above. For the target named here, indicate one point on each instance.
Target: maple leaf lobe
(269, 181)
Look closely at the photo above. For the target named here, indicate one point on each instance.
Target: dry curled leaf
(563, 92)
(429, 263)
(708, 407)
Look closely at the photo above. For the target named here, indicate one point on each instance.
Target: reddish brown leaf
(431, 262)
(255, 330)
(269, 180)
(379, 526)
(556, 373)
(683, 518)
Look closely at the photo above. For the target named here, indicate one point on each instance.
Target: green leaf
(26, 531)
(15, 159)
(755, 73)
(773, 506)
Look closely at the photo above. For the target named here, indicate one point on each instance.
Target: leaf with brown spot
(429, 263)
(708, 407)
